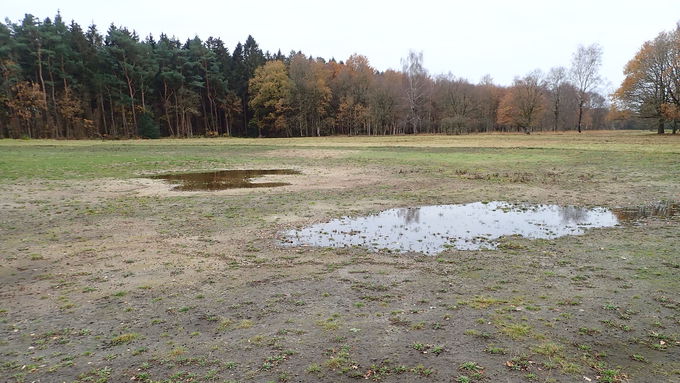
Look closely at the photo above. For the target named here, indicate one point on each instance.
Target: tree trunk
(580, 115)
(166, 101)
(113, 119)
(556, 112)
(42, 83)
(125, 125)
(141, 87)
(245, 116)
(102, 112)
(660, 129)
(206, 128)
(132, 96)
(57, 121)
(177, 121)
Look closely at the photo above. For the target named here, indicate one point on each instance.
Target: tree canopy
(651, 88)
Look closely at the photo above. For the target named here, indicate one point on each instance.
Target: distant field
(110, 276)
(615, 140)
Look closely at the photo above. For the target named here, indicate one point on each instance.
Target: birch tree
(416, 82)
(585, 74)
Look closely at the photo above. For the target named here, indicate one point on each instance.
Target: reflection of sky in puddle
(223, 179)
(432, 229)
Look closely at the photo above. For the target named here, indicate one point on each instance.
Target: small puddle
(223, 179)
(473, 226)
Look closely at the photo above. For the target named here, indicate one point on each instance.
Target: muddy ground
(111, 277)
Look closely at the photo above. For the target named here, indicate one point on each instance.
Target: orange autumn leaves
(651, 88)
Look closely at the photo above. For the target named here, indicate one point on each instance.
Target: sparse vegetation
(195, 287)
(124, 338)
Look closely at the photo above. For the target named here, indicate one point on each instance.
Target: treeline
(61, 81)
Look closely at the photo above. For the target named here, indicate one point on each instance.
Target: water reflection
(573, 214)
(432, 229)
(223, 179)
(410, 214)
(661, 209)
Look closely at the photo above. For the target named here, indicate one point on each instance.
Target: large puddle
(473, 226)
(223, 179)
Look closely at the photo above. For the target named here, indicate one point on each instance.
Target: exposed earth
(110, 276)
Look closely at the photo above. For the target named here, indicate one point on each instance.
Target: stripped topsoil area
(112, 279)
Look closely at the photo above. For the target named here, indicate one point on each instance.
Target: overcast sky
(470, 38)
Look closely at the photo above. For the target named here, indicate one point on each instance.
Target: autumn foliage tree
(270, 99)
(650, 88)
(310, 94)
(28, 106)
(523, 103)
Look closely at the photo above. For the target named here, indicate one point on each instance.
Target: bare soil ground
(110, 277)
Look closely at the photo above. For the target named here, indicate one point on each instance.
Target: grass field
(109, 276)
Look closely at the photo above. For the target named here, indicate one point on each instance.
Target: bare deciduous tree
(416, 78)
(585, 74)
(555, 82)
